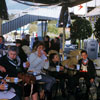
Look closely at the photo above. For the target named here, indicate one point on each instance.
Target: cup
(34, 73)
(0, 55)
(24, 64)
(43, 56)
(16, 80)
(78, 67)
(1, 77)
(6, 86)
(57, 68)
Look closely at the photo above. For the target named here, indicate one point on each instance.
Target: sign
(80, 9)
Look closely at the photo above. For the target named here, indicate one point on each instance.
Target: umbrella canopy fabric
(3, 10)
(68, 3)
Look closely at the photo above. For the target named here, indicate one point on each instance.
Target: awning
(94, 12)
(21, 21)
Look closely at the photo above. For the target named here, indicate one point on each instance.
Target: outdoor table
(71, 71)
(58, 75)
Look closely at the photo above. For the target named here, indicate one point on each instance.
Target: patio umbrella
(3, 10)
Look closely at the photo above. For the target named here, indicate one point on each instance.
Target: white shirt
(37, 63)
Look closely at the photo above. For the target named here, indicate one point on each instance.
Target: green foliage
(52, 21)
(81, 29)
(97, 29)
(32, 28)
(52, 29)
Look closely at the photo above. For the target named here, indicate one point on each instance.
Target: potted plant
(81, 29)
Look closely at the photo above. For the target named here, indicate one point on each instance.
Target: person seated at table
(54, 61)
(10, 65)
(38, 61)
(87, 70)
(7, 95)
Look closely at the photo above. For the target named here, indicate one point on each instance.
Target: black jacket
(22, 54)
(52, 64)
(11, 70)
(91, 68)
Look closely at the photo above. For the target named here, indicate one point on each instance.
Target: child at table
(54, 60)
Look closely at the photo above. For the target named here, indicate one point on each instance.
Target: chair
(97, 62)
(70, 65)
(3, 99)
(75, 52)
(41, 90)
(73, 60)
(26, 49)
(69, 62)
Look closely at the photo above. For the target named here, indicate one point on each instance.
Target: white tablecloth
(7, 94)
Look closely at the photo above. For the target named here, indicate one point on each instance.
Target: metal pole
(0, 26)
(95, 3)
(45, 31)
(42, 29)
(63, 43)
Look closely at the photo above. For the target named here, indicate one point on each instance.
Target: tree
(52, 29)
(97, 29)
(81, 29)
(32, 28)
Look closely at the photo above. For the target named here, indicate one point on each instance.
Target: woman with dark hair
(35, 42)
(55, 61)
(55, 44)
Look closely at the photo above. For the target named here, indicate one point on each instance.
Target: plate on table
(13, 79)
(30, 72)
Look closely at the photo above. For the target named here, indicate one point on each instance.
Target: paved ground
(71, 97)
